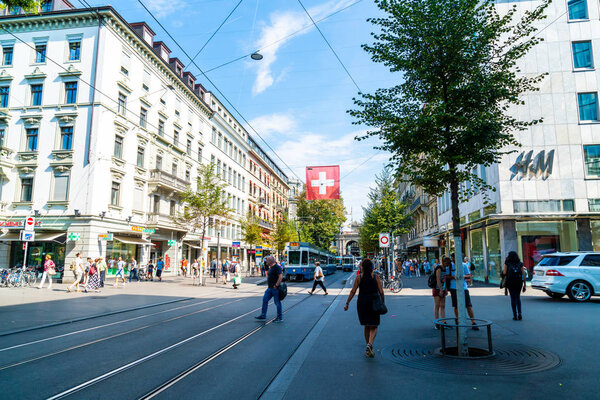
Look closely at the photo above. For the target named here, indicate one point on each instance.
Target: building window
(172, 206)
(66, 138)
(2, 136)
(4, 94)
(138, 199)
(158, 162)
(591, 156)
(156, 204)
(594, 205)
(174, 169)
(529, 206)
(40, 53)
(125, 58)
(7, 56)
(146, 83)
(74, 51)
(61, 186)
(26, 189)
(187, 175)
(588, 106)
(220, 143)
(161, 127)
(118, 153)
(143, 117)
(32, 139)
(213, 137)
(140, 157)
(70, 92)
(46, 5)
(14, 10)
(36, 95)
(115, 193)
(122, 108)
(176, 137)
(189, 147)
(582, 55)
(578, 9)
(199, 153)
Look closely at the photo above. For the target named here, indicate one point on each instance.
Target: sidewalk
(568, 329)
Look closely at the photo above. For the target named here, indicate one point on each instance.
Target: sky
(297, 96)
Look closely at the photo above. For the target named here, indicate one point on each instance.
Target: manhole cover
(508, 360)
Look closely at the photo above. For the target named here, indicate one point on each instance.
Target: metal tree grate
(508, 360)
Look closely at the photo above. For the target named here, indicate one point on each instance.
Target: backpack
(432, 280)
(514, 274)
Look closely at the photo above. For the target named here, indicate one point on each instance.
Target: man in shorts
(159, 268)
(451, 275)
(120, 271)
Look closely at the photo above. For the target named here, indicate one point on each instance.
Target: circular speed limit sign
(384, 239)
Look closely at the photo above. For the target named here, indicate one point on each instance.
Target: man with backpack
(274, 281)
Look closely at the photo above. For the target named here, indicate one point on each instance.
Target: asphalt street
(174, 340)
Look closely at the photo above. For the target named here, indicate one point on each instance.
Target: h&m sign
(527, 166)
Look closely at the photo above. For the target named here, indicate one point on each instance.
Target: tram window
(304, 258)
(313, 257)
(294, 258)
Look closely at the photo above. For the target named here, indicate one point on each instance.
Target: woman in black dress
(514, 280)
(369, 284)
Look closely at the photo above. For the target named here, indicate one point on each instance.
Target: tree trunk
(463, 341)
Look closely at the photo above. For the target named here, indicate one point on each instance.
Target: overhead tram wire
(217, 89)
(330, 47)
(284, 38)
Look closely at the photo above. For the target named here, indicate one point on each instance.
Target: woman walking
(369, 285)
(439, 292)
(49, 270)
(514, 273)
(319, 279)
(93, 282)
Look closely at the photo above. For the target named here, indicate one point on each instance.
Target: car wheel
(556, 295)
(579, 291)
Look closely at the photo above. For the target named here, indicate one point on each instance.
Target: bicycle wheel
(30, 279)
(397, 286)
(13, 280)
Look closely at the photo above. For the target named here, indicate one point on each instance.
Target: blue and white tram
(301, 259)
(348, 263)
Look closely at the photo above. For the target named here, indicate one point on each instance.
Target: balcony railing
(265, 224)
(164, 179)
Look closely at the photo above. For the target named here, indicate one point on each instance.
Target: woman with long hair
(514, 273)
(369, 285)
(439, 292)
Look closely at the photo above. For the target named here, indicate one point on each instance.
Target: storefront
(479, 270)
(494, 253)
(52, 243)
(124, 247)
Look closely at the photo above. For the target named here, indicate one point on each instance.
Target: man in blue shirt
(451, 275)
(159, 268)
(275, 276)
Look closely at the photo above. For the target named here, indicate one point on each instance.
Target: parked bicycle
(394, 283)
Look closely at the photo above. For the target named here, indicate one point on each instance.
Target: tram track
(189, 370)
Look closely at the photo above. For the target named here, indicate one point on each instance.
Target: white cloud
(162, 8)
(270, 124)
(282, 24)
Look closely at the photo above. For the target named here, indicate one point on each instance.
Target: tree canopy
(385, 213)
(321, 220)
(251, 230)
(282, 234)
(26, 5)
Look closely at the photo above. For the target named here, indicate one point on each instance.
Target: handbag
(282, 291)
(502, 281)
(379, 306)
(51, 271)
(237, 280)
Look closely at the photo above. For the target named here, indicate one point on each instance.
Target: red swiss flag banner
(323, 183)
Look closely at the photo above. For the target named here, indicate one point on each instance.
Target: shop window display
(494, 253)
(479, 272)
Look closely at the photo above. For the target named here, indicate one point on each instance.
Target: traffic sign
(27, 236)
(384, 240)
(235, 244)
(29, 224)
(74, 236)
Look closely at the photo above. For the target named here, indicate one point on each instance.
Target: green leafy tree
(321, 220)
(282, 234)
(26, 5)
(385, 213)
(204, 206)
(251, 230)
(450, 114)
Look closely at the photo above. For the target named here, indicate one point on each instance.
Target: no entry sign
(29, 224)
(384, 240)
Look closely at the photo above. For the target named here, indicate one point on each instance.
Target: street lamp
(256, 56)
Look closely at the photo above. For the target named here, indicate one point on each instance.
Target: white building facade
(548, 191)
(101, 130)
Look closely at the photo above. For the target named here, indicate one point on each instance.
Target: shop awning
(132, 240)
(39, 237)
(192, 245)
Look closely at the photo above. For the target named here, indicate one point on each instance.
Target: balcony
(420, 201)
(164, 180)
(266, 224)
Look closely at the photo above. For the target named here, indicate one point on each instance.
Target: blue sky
(297, 96)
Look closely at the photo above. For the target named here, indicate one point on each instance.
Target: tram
(301, 259)
(348, 263)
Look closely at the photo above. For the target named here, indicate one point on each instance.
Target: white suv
(576, 274)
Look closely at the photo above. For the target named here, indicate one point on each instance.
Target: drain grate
(508, 360)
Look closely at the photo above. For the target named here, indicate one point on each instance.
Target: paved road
(173, 340)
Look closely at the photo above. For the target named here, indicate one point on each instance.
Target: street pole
(218, 273)
(21, 281)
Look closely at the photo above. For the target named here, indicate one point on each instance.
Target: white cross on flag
(323, 183)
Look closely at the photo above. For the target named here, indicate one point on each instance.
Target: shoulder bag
(282, 291)
(379, 306)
